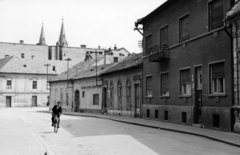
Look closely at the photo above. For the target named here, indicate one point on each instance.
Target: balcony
(158, 53)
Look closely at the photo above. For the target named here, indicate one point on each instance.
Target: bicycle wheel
(55, 124)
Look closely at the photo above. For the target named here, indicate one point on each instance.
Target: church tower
(62, 38)
(42, 40)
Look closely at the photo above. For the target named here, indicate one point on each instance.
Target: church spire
(62, 38)
(42, 37)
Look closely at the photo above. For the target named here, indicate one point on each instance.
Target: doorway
(198, 96)
(34, 101)
(104, 103)
(8, 101)
(137, 100)
(77, 101)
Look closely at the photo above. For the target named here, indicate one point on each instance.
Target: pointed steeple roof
(62, 38)
(42, 40)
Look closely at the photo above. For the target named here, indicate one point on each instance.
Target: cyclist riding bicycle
(56, 111)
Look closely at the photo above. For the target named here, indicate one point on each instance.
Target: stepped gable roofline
(161, 7)
(131, 61)
(25, 66)
(78, 71)
(234, 11)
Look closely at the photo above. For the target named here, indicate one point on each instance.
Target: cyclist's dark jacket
(57, 111)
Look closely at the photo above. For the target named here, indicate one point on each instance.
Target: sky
(93, 23)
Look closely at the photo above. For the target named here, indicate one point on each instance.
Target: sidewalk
(223, 137)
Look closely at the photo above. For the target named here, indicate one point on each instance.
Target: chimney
(21, 41)
(83, 46)
(115, 47)
(99, 47)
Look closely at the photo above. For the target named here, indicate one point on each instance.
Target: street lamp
(47, 74)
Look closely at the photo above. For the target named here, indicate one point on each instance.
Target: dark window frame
(162, 35)
(95, 99)
(149, 91)
(185, 82)
(219, 23)
(34, 84)
(9, 84)
(182, 28)
(148, 43)
(164, 84)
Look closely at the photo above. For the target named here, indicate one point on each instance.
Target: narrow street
(26, 131)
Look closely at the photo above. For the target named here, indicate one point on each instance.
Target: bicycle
(55, 123)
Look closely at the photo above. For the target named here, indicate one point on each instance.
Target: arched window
(111, 94)
(119, 94)
(128, 93)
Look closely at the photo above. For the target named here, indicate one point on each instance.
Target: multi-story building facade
(187, 64)
(233, 22)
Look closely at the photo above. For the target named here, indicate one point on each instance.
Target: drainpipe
(231, 59)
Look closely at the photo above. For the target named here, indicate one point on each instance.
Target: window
(83, 94)
(215, 14)
(149, 92)
(128, 93)
(50, 53)
(6, 56)
(164, 37)
(184, 28)
(9, 84)
(148, 43)
(185, 82)
(22, 55)
(217, 83)
(67, 97)
(164, 85)
(34, 84)
(33, 56)
(115, 59)
(111, 94)
(119, 94)
(61, 95)
(95, 99)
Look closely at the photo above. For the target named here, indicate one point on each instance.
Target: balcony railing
(158, 53)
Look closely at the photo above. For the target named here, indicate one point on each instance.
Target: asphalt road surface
(25, 131)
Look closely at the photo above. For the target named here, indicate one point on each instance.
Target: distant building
(59, 52)
(23, 82)
(79, 88)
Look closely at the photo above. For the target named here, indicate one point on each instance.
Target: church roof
(62, 38)
(42, 40)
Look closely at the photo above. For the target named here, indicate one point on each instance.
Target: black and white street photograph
(120, 77)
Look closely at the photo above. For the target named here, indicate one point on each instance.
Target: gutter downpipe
(232, 63)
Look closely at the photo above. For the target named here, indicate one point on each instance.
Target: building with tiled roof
(80, 88)
(122, 87)
(24, 81)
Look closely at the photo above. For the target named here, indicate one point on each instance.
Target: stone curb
(155, 127)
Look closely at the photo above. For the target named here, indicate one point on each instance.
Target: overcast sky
(90, 22)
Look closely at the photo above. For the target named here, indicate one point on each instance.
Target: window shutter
(164, 37)
(185, 75)
(164, 83)
(218, 70)
(216, 14)
(148, 43)
(184, 28)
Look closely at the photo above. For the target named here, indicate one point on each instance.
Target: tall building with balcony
(187, 65)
